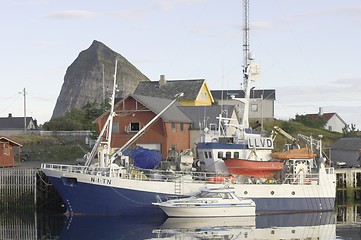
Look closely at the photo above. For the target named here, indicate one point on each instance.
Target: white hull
(229, 211)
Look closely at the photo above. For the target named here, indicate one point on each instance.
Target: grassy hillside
(295, 128)
(52, 149)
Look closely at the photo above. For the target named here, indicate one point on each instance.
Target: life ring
(221, 179)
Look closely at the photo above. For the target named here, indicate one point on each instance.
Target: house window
(254, 107)
(181, 126)
(134, 127)
(174, 127)
(6, 150)
(115, 127)
(205, 96)
(329, 128)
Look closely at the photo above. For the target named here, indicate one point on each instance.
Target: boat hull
(209, 211)
(97, 195)
(259, 169)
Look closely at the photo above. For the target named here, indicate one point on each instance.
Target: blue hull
(93, 199)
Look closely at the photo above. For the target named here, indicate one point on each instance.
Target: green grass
(52, 149)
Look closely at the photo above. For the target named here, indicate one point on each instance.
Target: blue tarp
(144, 158)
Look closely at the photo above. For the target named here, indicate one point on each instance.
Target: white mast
(250, 71)
(108, 125)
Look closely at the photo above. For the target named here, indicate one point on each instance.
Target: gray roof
(190, 88)
(352, 144)
(12, 123)
(227, 94)
(201, 114)
(156, 105)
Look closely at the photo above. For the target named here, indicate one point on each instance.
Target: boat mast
(250, 70)
(112, 113)
(107, 127)
(246, 60)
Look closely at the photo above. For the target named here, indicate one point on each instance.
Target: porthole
(245, 192)
(293, 193)
(272, 192)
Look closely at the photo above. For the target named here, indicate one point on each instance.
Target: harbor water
(344, 223)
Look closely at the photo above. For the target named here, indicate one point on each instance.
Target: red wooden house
(169, 132)
(7, 152)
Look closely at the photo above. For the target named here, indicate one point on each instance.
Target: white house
(333, 121)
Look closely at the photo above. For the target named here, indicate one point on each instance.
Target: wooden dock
(17, 188)
(348, 184)
(27, 188)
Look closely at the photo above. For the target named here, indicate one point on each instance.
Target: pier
(27, 189)
(348, 184)
(17, 188)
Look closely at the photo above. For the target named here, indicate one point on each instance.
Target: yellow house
(196, 91)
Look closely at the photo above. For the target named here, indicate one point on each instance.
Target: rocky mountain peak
(90, 78)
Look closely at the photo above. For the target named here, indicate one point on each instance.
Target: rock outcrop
(90, 78)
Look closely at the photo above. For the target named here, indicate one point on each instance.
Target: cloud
(355, 10)
(72, 14)
(162, 5)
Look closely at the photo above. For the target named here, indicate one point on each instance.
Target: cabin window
(254, 107)
(181, 127)
(220, 154)
(227, 196)
(236, 155)
(272, 192)
(134, 127)
(174, 127)
(228, 155)
(205, 154)
(115, 127)
(210, 154)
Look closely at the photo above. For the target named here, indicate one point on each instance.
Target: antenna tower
(246, 60)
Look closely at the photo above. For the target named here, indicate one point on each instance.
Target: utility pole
(24, 94)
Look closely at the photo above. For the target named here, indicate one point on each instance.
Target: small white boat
(220, 202)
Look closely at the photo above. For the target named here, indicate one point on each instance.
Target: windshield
(213, 195)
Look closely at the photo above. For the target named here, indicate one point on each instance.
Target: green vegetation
(76, 119)
(294, 128)
(306, 120)
(52, 149)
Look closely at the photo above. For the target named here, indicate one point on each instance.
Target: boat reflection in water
(283, 226)
(109, 228)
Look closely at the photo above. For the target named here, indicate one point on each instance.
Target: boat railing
(139, 174)
(304, 179)
(170, 175)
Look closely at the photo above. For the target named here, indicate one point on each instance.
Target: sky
(308, 50)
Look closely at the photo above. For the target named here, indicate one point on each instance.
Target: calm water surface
(345, 223)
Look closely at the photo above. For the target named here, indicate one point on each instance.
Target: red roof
(326, 116)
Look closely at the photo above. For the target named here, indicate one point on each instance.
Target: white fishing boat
(220, 202)
(111, 187)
